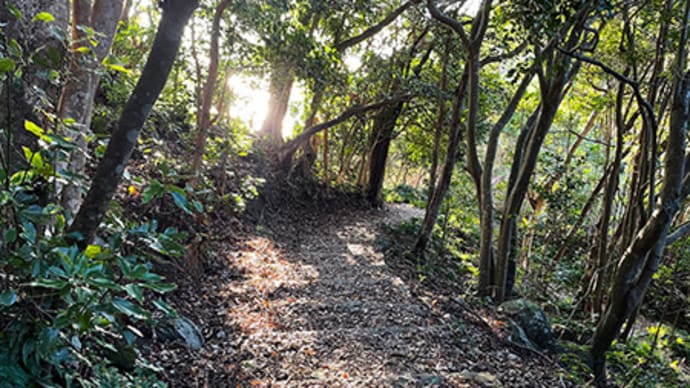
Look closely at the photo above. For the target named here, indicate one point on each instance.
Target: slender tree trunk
(486, 254)
(203, 119)
(441, 119)
(175, 15)
(641, 259)
(436, 200)
(306, 161)
(326, 174)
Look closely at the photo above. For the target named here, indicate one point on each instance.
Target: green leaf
(29, 232)
(8, 298)
(6, 65)
(104, 283)
(164, 307)
(129, 308)
(10, 235)
(92, 251)
(154, 190)
(15, 11)
(181, 201)
(31, 127)
(117, 68)
(135, 292)
(55, 284)
(160, 287)
(45, 17)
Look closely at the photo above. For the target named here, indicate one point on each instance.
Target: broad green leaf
(104, 283)
(154, 190)
(164, 307)
(129, 308)
(8, 298)
(135, 292)
(6, 65)
(10, 235)
(181, 201)
(31, 127)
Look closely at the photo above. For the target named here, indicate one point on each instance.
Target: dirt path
(310, 302)
(328, 311)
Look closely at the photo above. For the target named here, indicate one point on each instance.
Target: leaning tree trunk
(176, 13)
(78, 93)
(641, 259)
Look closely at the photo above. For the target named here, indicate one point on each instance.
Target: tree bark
(641, 259)
(384, 124)
(176, 13)
(24, 99)
(203, 119)
(485, 193)
(78, 93)
(436, 200)
(280, 90)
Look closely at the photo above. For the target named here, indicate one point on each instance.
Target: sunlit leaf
(45, 17)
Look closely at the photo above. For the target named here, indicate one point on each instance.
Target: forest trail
(311, 302)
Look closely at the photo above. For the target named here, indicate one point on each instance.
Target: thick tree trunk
(280, 90)
(384, 124)
(76, 102)
(176, 13)
(203, 119)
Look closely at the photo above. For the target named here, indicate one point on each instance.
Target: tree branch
(291, 147)
(454, 24)
(375, 29)
(620, 77)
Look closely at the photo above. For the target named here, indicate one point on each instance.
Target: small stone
(221, 334)
(486, 379)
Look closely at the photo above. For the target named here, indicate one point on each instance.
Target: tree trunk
(176, 13)
(24, 100)
(203, 119)
(384, 124)
(485, 193)
(76, 102)
(441, 118)
(280, 90)
(436, 200)
(641, 259)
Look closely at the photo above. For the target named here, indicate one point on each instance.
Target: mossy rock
(531, 321)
